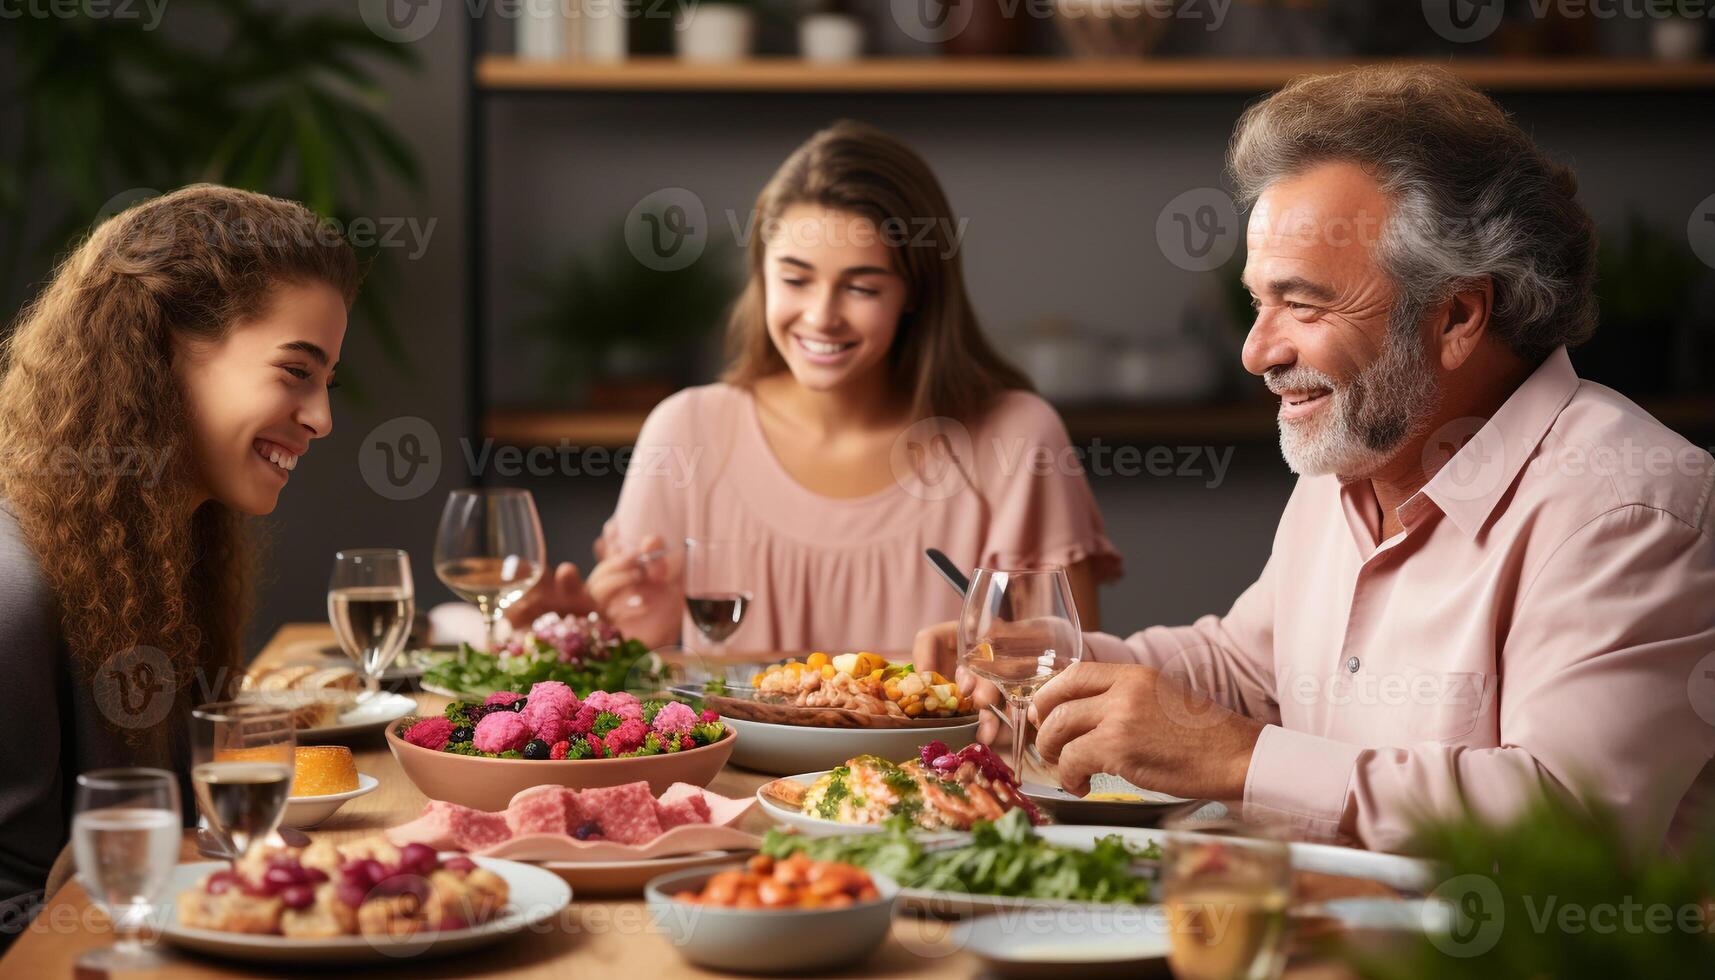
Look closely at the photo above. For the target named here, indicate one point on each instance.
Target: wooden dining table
(602, 936)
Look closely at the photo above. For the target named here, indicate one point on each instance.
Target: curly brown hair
(132, 558)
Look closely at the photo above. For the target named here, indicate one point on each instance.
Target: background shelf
(1191, 75)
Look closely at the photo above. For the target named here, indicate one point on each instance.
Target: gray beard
(1373, 414)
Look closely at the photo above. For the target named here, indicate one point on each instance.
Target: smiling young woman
(161, 388)
(862, 419)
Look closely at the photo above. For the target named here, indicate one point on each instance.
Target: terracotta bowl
(490, 784)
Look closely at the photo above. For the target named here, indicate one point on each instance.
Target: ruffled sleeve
(1043, 510)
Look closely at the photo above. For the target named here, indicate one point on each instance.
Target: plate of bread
(325, 701)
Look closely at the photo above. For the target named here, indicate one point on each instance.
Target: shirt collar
(1470, 485)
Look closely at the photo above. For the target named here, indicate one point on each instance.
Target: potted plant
(618, 330)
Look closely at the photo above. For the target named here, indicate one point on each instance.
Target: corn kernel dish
(863, 682)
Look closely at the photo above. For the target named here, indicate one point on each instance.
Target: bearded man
(1493, 579)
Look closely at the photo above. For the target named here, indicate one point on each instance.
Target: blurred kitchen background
(500, 160)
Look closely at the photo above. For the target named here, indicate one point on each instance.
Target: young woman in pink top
(862, 418)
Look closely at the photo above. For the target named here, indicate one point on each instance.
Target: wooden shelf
(1215, 423)
(498, 73)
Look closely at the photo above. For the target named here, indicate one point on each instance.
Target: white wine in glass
(242, 772)
(489, 550)
(125, 837)
(1019, 629)
(371, 603)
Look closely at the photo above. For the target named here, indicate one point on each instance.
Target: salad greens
(476, 673)
(1005, 857)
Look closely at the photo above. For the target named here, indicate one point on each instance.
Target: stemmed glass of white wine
(1019, 629)
(243, 760)
(371, 603)
(489, 550)
(125, 835)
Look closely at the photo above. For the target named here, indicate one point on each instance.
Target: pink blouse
(837, 574)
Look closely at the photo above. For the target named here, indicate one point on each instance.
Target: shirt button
(1352, 664)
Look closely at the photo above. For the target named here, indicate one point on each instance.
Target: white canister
(829, 38)
(540, 33)
(603, 31)
(714, 32)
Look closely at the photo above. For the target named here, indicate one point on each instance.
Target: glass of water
(125, 832)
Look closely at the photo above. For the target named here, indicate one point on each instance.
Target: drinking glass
(1019, 629)
(489, 550)
(715, 595)
(371, 604)
(125, 832)
(1226, 887)
(242, 772)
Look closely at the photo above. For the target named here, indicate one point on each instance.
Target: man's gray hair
(1472, 196)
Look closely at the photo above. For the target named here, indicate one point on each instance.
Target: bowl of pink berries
(482, 753)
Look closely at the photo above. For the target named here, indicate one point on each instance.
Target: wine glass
(489, 550)
(125, 833)
(1226, 886)
(1019, 628)
(243, 757)
(714, 592)
(371, 604)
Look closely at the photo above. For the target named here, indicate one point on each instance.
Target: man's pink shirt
(1546, 620)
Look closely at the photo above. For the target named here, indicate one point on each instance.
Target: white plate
(1394, 870)
(536, 896)
(304, 812)
(1087, 941)
(371, 716)
(787, 749)
(817, 827)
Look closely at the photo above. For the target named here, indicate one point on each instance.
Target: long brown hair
(939, 358)
(89, 384)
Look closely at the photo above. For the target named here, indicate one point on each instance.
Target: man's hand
(562, 592)
(1130, 721)
(937, 649)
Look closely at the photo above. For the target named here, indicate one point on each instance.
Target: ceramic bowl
(490, 784)
(795, 941)
(304, 812)
(787, 749)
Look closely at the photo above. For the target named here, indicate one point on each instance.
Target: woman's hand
(640, 590)
(562, 591)
(937, 649)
